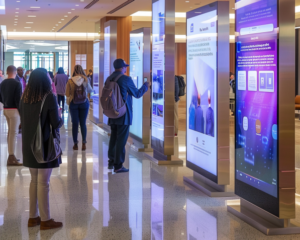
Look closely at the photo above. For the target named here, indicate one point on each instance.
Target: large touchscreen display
(158, 68)
(256, 94)
(136, 73)
(107, 70)
(202, 91)
(96, 80)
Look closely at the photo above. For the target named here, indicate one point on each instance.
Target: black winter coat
(29, 120)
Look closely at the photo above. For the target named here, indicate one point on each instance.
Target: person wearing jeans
(77, 90)
(10, 95)
(60, 81)
(79, 113)
(50, 117)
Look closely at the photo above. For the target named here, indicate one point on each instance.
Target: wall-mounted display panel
(208, 31)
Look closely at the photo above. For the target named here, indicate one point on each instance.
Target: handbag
(37, 144)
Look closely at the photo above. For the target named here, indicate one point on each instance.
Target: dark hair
(51, 74)
(60, 71)
(38, 86)
(78, 71)
(11, 69)
(90, 70)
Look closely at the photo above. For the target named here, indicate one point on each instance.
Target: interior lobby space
(149, 119)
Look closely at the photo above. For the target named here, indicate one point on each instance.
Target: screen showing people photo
(202, 91)
(158, 68)
(136, 73)
(256, 95)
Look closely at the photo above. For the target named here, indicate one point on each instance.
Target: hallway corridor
(149, 202)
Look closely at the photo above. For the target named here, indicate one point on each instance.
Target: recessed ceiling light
(17, 8)
(56, 24)
(77, 5)
(35, 7)
(31, 16)
(59, 22)
(16, 15)
(73, 9)
(29, 22)
(18, 1)
(16, 19)
(27, 27)
(15, 24)
(65, 16)
(17, 12)
(69, 12)
(63, 19)
(187, 1)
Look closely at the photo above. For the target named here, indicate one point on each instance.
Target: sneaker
(32, 222)
(110, 164)
(120, 170)
(75, 147)
(50, 224)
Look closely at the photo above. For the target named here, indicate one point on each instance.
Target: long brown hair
(78, 71)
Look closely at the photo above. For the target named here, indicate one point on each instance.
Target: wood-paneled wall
(124, 27)
(180, 59)
(80, 47)
(232, 57)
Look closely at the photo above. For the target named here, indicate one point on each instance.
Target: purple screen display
(256, 94)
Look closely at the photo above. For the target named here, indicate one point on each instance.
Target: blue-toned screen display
(256, 94)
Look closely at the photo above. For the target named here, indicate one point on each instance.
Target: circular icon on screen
(258, 126)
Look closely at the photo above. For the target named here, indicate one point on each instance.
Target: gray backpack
(111, 99)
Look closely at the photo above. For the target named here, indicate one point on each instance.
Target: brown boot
(13, 161)
(50, 224)
(32, 222)
(75, 147)
(83, 147)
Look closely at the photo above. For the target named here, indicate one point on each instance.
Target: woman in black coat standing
(38, 86)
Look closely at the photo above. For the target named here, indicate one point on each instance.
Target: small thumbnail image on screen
(158, 110)
(201, 113)
(157, 85)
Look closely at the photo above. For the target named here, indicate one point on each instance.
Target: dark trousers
(79, 113)
(117, 143)
(61, 99)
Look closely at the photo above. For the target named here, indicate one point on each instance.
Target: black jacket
(29, 119)
(176, 89)
(10, 93)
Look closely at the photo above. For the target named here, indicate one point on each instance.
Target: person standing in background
(76, 91)
(90, 76)
(177, 99)
(232, 93)
(51, 75)
(60, 81)
(1, 76)
(20, 77)
(10, 95)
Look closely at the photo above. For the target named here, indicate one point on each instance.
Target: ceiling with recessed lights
(54, 15)
(36, 46)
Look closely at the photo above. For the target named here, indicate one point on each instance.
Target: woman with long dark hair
(38, 88)
(60, 81)
(76, 91)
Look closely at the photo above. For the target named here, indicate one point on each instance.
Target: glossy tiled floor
(149, 202)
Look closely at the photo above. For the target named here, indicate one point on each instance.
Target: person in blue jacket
(120, 126)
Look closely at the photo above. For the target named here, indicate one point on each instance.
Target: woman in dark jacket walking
(60, 81)
(38, 86)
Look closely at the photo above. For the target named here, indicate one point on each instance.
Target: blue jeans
(79, 113)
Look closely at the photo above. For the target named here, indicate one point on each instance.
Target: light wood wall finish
(180, 59)
(80, 47)
(124, 27)
(232, 57)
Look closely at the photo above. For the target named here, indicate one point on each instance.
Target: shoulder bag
(37, 144)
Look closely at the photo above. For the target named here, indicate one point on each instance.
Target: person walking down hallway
(120, 126)
(10, 95)
(20, 77)
(60, 81)
(76, 92)
(39, 88)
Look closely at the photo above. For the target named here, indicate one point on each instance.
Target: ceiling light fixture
(69, 12)
(27, 27)
(77, 5)
(63, 19)
(65, 16)
(73, 9)
(35, 7)
(29, 22)
(59, 22)
(17, 12)
(31, 16)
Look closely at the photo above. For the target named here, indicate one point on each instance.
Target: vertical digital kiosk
(163, 86)
(265, 115)
(109, 54)
(207, 133)
(96, 66)
(139, 65)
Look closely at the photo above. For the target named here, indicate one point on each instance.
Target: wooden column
(81, 47)
(180, 59)
(124, 27)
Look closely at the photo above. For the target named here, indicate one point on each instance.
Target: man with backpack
(116, 95)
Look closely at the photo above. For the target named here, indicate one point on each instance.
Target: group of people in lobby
(35, 103)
